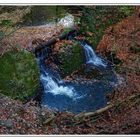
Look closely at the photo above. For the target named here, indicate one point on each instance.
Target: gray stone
(6, 123)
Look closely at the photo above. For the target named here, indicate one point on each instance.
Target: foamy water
(92, 58)
(53, 87)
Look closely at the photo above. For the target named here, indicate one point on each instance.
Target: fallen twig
(102, 110)
(49, 120)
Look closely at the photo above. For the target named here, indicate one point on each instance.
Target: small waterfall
(91, 56)
(51, 79)
(74, 96)
(50, 85)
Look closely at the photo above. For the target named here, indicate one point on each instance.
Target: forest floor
(122, 114)
(23, 37)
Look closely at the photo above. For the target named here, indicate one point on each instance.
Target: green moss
(72, 59)
(125, 10)
(6, 23)
(18, 74)
(66, 30)
(97, 19)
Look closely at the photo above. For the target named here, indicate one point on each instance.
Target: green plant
(6, 23)
(66, 30)
(114, 49)
(125, 10)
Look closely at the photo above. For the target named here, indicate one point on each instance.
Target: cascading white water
(52, 83)
(70, 96)
(53, 87)
(92, 58)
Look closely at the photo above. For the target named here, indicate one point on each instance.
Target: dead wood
(102, 110)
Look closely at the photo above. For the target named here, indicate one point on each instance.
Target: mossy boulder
(19, 74)
(72, 58)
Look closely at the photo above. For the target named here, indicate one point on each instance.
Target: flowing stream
(91, 56)
(71, 96)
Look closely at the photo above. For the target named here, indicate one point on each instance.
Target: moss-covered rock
(72, 58)
(19, 74)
